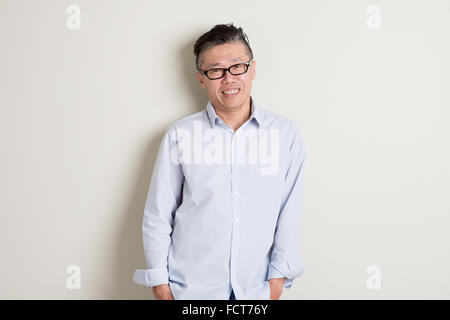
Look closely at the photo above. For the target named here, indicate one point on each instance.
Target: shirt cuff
(275, 273)
(151, 277)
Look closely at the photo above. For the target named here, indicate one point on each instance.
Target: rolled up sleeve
(163, 199)
(286, 255)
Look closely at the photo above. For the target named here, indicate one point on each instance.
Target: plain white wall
(83, 112)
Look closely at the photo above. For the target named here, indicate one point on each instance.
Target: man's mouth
(231, 92)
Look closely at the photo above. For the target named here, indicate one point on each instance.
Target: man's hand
(276, 287)
(162, 292)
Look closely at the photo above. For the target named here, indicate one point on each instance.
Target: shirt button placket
(235, 205)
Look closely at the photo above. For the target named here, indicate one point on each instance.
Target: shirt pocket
(204, 182)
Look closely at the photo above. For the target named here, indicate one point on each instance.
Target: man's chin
(231, 103)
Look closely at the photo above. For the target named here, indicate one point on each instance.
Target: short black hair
(219, 34)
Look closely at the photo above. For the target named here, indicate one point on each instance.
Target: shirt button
(236, 192)
(237, 220)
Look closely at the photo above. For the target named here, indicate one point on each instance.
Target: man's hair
(219, 34)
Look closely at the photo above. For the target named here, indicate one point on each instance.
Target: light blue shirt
(224, 207)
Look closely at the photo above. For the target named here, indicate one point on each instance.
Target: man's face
(224, 56)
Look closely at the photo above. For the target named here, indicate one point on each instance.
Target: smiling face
(224, 56)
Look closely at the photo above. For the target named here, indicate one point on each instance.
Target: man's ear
(253, 69)
(201, 79)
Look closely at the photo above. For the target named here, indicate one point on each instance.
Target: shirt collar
(255, 113)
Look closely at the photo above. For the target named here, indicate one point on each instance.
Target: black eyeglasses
(236, 69)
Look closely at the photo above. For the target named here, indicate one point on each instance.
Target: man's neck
(236, 117)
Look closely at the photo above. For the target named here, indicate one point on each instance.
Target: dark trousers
(232, 297)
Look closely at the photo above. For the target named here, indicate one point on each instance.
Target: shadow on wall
(129, 247)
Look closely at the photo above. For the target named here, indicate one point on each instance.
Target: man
(222, 216)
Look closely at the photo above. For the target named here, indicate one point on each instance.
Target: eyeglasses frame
(248, 64)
